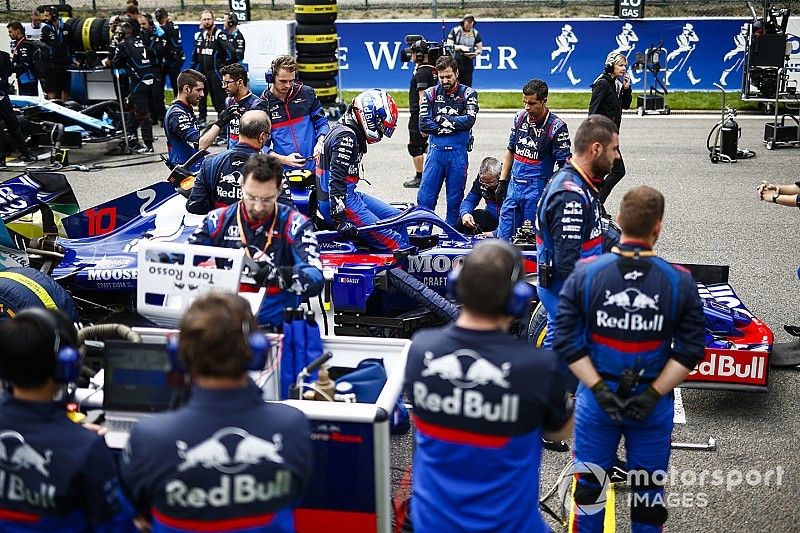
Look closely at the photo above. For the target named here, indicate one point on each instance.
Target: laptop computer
(135, 385)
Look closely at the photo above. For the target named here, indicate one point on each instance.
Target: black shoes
(413, 183)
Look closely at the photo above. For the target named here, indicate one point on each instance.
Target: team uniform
(448, 120)
(212, 51)
(481, 401)
(297, 122)
(286, 239)
(485, 219)
(631, 312)
(247, 103)
(423, 78)
(56, 475)
(132, 56)
(236, 38)
(339, 202)
(567, 229)
(537, 148)
(218, 182)
(227, 461)
(23, 66)
(173, 55)
(57, 36)
(154, 43)
(182, 133)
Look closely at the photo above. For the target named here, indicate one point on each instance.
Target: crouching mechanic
(227, 461)
(631, 327)
(272, 234)
(217, 183)
(538, 142)
(482, 402)
(371, 117)
(54, 474)
(472, 219)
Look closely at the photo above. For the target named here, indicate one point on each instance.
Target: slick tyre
(317, 67)
(537, 326)
(315, 11)
(326, 89)
(316, 39)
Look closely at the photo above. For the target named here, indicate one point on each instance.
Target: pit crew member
(227, 460)
(788, 195)
(447, 113)
(173, 50)
(218, 182)
(539, 141)
(234, 82)
(611, 93)
(180, 124)
(273, 234)
(66, 471)
(568, 216)
(424, 76)
(482, 402)
(153, 38)
(631, 327)
(56, 35)
(212, 51)
(299, 124)
(235, 36)
(22, 60)
(371, 116)
(474, 220)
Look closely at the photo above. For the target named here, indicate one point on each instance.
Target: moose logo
(479, 371)
(215, 451)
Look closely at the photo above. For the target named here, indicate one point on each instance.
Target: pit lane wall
(567, 53)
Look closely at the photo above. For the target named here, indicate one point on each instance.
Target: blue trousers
(549, 299)
(647, 448)
(519, 206)
(361, 210)
(448, 167)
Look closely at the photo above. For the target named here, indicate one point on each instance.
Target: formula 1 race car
(370, 294)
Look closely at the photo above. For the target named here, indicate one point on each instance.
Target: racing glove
(608, 401)
(501, 192)
(226, 115)
(347, 230)
(641, 406)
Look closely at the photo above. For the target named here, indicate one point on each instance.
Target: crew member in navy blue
(371, 117)
(235, 84)
(447, 113)
(424, 76)
(173, 50)
(54, 474)
(568, 224)
(22, 60)
(235, 35)
(611, 93)
(227, 460)
(539, 141)
(475, 220)
(180, 124)
(272, 234)
(299, 123)
(631, 327)
(153, 38)
(482, 403)
(212, 51)
(218, 182)
(10, 121)
(56, 35)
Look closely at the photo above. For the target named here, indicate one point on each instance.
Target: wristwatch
(775, 198)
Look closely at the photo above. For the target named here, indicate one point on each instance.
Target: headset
(68, 358)
(257, 342)
(521, 291)
(269, 76)
(233, 19)
(611, 58)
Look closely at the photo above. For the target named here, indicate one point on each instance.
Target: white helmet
(376, 113)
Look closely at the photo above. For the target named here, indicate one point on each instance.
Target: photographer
(227, 460)
(788, 195)
(66, 471)
(468, 45)
(424, 76)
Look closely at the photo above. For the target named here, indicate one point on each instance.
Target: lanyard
(583, 175)
(244, 239)
(636, 253)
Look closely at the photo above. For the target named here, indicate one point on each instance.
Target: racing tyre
(315, 11)
(537, 326)
(422, 294)
(316, 39)
(90, 34)
(326, 89)
(313, 67)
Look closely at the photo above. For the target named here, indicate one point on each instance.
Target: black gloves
(228, 114)
(502, 191)
(276, 276)
(347, 230)
(608, 401)
(641, 406)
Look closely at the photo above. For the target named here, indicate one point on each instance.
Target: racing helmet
(376, 114)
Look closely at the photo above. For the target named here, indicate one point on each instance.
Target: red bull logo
(17, 455)
(731, 366)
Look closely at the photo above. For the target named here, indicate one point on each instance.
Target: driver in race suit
(568, 225)
(55, 476)
(538, 141)
(371, 116)
(274, 235)
(631, 327)
(218, 182)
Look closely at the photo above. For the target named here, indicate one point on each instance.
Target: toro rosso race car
(370, 294)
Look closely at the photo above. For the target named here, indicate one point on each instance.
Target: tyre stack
(316, 42)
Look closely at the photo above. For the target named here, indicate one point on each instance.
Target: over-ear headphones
(521, 291)
(269, 75)
(256, 341)
(68, 358)
(610, 60)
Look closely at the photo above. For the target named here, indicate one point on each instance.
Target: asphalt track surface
(712, 216)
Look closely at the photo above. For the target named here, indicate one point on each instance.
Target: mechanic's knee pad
(648, 508)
